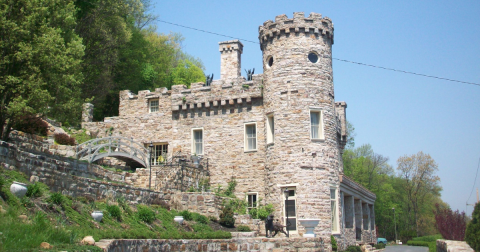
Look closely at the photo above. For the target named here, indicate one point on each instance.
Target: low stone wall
(70, 176)
(448, 245)
(244, 244)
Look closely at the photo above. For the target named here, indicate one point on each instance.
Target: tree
(450, 224)
(186, 73)
(419, 180)
(40, 62)
(472, 235)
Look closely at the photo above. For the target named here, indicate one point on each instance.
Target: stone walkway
(404, 248)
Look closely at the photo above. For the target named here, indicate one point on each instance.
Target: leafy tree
(450, 224)
(40, 62)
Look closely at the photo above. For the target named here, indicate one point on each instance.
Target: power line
(348, 61)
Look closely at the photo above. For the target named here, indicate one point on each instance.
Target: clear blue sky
(398, 114)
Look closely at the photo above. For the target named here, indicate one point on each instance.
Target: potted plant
(18, 189)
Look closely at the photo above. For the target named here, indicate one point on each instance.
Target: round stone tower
(303, 152)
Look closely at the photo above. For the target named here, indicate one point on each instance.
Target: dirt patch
(216, 226)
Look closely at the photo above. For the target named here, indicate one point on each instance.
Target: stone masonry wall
(243, 244)
(448, 245)
(60, 174)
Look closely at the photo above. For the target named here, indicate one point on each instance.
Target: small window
(333, 204)
(270, 61)
(313, 57)
(159, 153)
(251, 200)
(197, 141)
(316, 123)
(290, 206)
(250, 136)
(153, 105)
(270, 129)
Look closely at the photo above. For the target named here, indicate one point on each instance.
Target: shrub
(145, 214)
(56, 198)
(472, 235)
(199, 227)
(379, 246)
(418, 243)
(333, 242)
(242, 228)
(226, 217)
(200, 218)
(34, 190)
(212, 218)
(450, 224)
(114, 211)
(64, 139)
(353, 249)
(429, 238)
(186, 215)
(32, 125)
(407, 235)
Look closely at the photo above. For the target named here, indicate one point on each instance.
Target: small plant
(333, 242)
(115, 212)
(450, 224)
(64, 139)
(242, 228)
(145, 214)
(245, 86)
(212, 218)
(353, 249)
(226, 217)
(472, 236)
(200, 218)
(184, 99)
(186, 215)
(26, 202)
(57, 198)
(34, 190)
(379, 246)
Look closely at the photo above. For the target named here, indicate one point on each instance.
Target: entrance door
(290, 208)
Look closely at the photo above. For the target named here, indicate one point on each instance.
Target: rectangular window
(290, 208)
(270, 129)
(159, 153)
(316, 124)
(333, 201)
(251, 200)
(250, 136)
(153, 105)
(197, 141)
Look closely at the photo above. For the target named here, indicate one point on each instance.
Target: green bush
(114, 211)
(34, 190)
(429, 238)
(379, 246)
(353, 249)
(200, 218)
(226, 217)
(199, 227)
(407, 235)
(212, 218)
(472, 235)
(417, 243)
(333, 242)
(145, 214)
(242, 228)
(57, 198)
(186, 215)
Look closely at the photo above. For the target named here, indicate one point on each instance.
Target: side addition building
(280, 131)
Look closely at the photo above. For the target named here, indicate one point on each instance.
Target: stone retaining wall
(71, 176)
(447, 245)
(244, 244)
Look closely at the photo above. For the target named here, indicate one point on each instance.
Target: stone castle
(280, 135)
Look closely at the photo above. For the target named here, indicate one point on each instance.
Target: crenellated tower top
(283, 25)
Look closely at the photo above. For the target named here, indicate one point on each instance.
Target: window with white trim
(270, 129)
(316, 124)
(291, 208)
(334, 208)
(159, 153)
(252, 200)
(250, 136)
(197, 141)
(153, 105)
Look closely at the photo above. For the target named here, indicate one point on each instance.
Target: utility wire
(348, 61)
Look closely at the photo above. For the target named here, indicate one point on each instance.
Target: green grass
(63, 221)
(426, 241)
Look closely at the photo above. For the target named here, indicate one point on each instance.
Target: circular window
(313, 57)
(270, 61)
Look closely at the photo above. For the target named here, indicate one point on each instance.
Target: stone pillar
(87, 112)
(349, 212)
(230, 59)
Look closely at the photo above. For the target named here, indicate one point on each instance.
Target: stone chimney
(231, 60)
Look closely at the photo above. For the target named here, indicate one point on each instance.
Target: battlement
(313, 24)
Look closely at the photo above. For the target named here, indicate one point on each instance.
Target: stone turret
(299, 95)
(231, 60)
